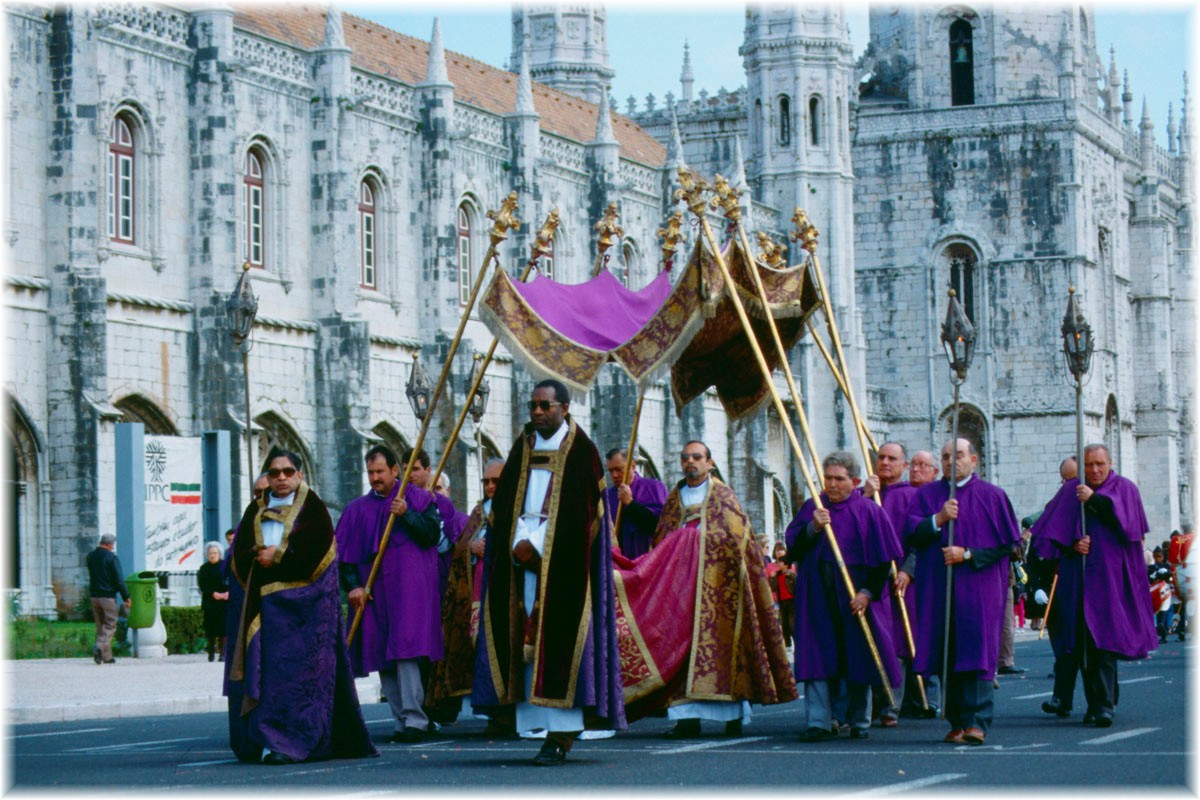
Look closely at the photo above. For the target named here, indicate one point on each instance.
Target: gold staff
(504, 220)
(540, 247)
(692, 192)
(1049, 602)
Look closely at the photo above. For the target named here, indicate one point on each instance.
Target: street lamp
(958, 340)
(240, 310)
(419, 389)
(478, 407)
(1077, 347)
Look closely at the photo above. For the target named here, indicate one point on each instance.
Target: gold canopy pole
(504, 220)
(539, 248)
(692, 192)
(1049, 603)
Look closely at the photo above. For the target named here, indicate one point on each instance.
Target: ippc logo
(156, 460)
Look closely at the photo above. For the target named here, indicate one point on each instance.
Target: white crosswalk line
(56, 733)
(907, 786)
(108, 748)
(1124, 682)
(208, 763)
(1116, 737)
(1034, 696)
(689, 748)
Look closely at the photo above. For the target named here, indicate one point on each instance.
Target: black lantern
(1077, 337)
(958, 338)
(480, 400)
(241, 308)
(419, 389)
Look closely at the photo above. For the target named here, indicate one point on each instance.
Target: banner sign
(174, 515)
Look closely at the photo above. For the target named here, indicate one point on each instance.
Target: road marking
(1139, 680)
(1034, 696)
(1116, 737)
(919, 783)
(56, 733)
(208, 763)
(691, 748)
(113, 747)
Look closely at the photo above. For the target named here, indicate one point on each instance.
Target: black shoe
(1056, 707)
(551, 755)
(817, 735)
(1010, 670)
(927, 713)
(409, 735)
(277, 759)
(212, 657)
(859, 733)
(96, 654)
(1181, 637)
(684, 729)
(1089, 718)
(112, 660)
(733, 728)
(1104, 719)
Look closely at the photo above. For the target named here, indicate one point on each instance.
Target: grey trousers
(104, 611)
(1007, 633)
(820, 696)
(969, 701)
(401, 684)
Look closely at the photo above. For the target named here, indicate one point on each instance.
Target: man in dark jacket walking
(105, 583)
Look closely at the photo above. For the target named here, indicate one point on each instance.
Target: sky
(646, 43)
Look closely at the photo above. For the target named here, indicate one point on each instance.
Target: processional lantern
(1077, 337)
(480, 400)
(419, 389)
(958, 339)
(241, 308)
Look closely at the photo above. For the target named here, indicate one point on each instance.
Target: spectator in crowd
(105, 583)
(214, 596)
(782, 577)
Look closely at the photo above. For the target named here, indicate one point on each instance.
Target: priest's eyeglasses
(544, 405)
(275, 472)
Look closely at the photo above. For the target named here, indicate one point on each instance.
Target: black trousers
(1099, 670)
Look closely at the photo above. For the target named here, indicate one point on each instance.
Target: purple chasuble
(1112, 592)
(896, 500)
(636, 536)
(402, 619)
(985, 520)
(822, 614)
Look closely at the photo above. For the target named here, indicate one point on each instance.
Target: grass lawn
(39, 638)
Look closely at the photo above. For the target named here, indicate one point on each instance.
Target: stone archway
(26, 537)
(136, 408)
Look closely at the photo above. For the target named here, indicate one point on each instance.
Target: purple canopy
(600, 314)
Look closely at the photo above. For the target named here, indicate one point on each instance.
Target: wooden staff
(692, 192)
(505, 220)
(627, 478)
(1049, 603)
(539, 248)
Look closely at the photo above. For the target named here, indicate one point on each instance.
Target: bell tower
(567, 47)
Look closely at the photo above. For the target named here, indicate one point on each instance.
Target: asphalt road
(1146, 748)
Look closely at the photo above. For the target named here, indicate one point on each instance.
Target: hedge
(185, 629)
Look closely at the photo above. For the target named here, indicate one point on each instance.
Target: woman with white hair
(214, 595)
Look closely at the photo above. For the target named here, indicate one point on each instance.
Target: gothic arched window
(547, 262)
(367, 234)
(120, 185)
(1112, 431)
(785, 121)
(464, 254)
(254, 203)
(962, 64)
(628, 261)
(814, 121)
(962, 262)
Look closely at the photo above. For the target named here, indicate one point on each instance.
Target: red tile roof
(404, 58)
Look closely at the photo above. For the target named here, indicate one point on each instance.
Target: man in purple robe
(641, 503)
(288, 679)
(401, 623)
(896, 494)
(1101, 609)
(831, 650)
(985, 533)
(547, 640)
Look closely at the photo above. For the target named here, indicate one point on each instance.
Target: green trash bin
(143, 590)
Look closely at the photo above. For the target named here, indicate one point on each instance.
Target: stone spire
(525, 87)
(1127, 101)
(436, 73)
(1112, 91)
(1147, 134)
(675, 146)
(1066, 63)
(687, 78)
(334, 36)
(1171, 131)
(738, 177)
(604, 129)
(1185, 145)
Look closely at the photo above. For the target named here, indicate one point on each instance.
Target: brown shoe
(974, 736)
(955, 737)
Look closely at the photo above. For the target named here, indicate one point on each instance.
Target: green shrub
(39, 638)
(185, 629)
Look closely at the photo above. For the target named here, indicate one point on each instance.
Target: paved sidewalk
(65, 689)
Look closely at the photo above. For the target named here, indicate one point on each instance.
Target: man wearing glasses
(291, 645)
(922, 469)
(547, 641)
(703, 517)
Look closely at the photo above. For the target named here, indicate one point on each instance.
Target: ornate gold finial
(773, 255)
(545, 236)
(608, 228)
(806, 233)
(691, 190)
(246, 268)
(1070, 290)
(726, 200)
(671, 234)
(505, 219)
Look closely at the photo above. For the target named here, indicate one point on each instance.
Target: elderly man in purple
(642, 503)
(1101, 574)
(401, 623)
(831, 650)
(451, 519)
(985, 533)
